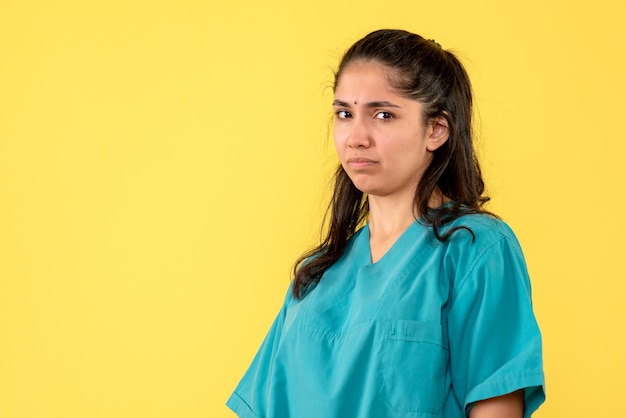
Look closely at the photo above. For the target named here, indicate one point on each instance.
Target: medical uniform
(426, 331)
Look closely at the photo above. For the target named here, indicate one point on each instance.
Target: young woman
(417, 303)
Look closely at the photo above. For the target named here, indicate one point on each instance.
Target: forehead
(366, 80)
(361, 72)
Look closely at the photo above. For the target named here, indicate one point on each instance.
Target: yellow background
(162, 164)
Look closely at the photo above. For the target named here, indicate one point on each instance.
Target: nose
(359, 135)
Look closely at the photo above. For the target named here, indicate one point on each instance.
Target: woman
(417, 302)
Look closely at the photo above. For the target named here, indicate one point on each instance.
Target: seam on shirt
(508, 379)
(466, 276)
(413, 261)
(341, 334)
(247, 405)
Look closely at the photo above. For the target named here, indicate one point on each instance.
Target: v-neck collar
(404, 238)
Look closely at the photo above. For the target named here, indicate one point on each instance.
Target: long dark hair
(420, 70)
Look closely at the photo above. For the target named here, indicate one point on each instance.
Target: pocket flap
(418, 331)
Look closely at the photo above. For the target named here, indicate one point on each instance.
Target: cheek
(407, 155)
(401, 149)
(338, 139)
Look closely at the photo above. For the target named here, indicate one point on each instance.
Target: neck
(390, 216)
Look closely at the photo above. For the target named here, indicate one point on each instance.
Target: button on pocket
(413, 366)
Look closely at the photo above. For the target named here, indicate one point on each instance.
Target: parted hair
(421, 70)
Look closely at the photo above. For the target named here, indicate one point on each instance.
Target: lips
(360, 162)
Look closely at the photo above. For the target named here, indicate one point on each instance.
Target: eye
(343, 114)
(384, 115)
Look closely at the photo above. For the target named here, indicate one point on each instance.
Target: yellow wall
(162, 163)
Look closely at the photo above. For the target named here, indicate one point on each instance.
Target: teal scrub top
(426, 331)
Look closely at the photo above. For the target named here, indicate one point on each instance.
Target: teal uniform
(427, 331)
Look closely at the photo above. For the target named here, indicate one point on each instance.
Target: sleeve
(494, 339)
(249, 400)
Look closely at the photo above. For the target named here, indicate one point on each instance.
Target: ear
(438, 133)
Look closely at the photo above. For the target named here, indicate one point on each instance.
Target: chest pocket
(413, 366)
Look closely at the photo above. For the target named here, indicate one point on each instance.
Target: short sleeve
(494, 339)
(249, 400)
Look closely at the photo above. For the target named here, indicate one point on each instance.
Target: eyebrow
(381, 103)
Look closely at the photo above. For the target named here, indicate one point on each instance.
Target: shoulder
(479, 231)
(482, 249)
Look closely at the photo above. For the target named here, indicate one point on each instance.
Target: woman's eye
(343, 114)
(384, 115)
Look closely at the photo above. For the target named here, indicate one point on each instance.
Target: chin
(364, 184)
(369, 190)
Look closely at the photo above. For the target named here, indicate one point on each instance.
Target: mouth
(360, 162)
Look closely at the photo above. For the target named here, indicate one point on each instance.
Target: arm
(494, 340)
(506, 406)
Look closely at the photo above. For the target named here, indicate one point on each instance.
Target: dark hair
(421, 70)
